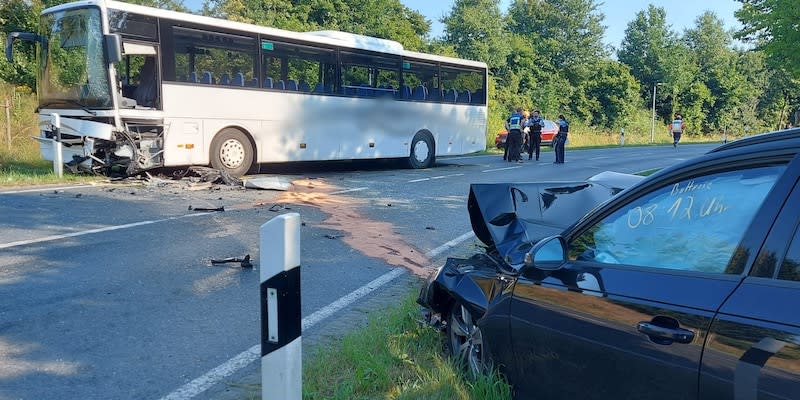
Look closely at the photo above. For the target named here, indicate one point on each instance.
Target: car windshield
(73, 70)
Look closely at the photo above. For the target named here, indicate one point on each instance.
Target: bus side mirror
(113, 48)
(27, 36)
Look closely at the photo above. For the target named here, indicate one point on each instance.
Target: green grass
(393, 357)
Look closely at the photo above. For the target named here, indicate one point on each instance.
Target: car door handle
(654, 331)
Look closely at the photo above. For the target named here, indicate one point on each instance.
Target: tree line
(549, 55)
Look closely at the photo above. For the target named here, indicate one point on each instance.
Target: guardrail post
(281, 323)
(58, 158)
(8, 124)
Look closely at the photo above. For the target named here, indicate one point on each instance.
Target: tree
(773, 26)
(20, 16)
(646, 49)
(718, 71)
(566, 38)
(475, 29)
(616, 92)
(387, 19)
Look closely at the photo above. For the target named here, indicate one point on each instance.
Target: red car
(548, 133)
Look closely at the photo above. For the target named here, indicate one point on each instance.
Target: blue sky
(681, 14)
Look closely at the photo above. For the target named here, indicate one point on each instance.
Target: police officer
(561, 139)
(535, 123)
(514, 142)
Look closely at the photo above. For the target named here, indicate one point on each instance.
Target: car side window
(790, 268)
(692, 225)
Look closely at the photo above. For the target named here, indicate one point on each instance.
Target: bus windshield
(73, 69)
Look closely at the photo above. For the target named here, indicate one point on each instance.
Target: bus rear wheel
(232, 152)
(423, 152)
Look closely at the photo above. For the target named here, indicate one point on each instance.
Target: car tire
(232, 152)
(465, 340)
(423, 151)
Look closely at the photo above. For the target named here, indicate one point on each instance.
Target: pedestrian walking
(514, 140)
(678, 126)
(561, 139)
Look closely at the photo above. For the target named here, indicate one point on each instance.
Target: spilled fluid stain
(375, 239)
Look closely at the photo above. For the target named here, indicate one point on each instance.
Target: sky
(681, 14)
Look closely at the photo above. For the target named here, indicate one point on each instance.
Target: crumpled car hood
(513, 216)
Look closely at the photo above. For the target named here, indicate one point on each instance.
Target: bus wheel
(423, 152)
(232, 152)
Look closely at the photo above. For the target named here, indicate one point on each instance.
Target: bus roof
(328, 37)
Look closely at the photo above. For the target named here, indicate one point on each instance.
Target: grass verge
(393, 357)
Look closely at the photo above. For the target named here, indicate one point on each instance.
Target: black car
(683, 285)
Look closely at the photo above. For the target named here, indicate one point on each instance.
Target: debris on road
(329, 236)
(268, 183)
(206, 208)
(243, 262)
(278, 207)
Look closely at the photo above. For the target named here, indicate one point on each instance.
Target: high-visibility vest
(515, 122)
(677, 126)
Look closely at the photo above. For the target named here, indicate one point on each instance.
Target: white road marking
(98, 230)
(502, 169)
(349, 190)
(599, 158)
(446, 176)
(49, 189)
(434, 177)
(218, 374)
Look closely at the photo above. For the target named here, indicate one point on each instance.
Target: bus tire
(232, 152)
(423, 151)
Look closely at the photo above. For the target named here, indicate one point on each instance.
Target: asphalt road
(108, 292)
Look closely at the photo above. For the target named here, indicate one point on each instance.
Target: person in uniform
(514, 141)
(535, 123)
(561, 139)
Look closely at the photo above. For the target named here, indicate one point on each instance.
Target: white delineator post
(281, 323)
(58, 157)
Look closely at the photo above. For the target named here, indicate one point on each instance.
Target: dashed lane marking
(91, 231)
(434, 177)
(502, 169)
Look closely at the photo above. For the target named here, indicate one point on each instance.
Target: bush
(24, 124)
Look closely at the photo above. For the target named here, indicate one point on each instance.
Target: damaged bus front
(100, 130)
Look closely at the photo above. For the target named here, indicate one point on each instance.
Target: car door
(625, 316)
(753, 349)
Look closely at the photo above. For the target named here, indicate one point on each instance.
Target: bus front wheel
(232, 152)
(423, 152)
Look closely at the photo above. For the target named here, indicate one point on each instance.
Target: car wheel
(465, 340)
(423, 152)
(232, 152)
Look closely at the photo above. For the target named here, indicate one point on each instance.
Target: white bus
(138, 88)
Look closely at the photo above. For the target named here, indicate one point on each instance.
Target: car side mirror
(113, 48)
(548, 254)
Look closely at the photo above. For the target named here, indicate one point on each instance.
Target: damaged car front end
(509, 218)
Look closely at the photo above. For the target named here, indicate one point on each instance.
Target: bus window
(367, 75)
(460, 85)
(133, 26)
(301, 68)
(138, 74)
(420, 80)
(213, 58)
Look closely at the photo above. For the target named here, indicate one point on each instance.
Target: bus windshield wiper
(73, 102)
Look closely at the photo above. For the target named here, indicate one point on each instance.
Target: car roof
(766, 141)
